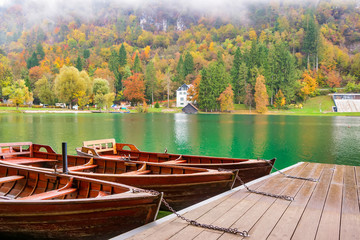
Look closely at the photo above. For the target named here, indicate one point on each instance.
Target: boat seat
(81, 167)
(175, 161)
(50, 194)
(27, 160)
(137, 172)
(101, 194)
(10, 179)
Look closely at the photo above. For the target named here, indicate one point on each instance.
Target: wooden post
(64, 158)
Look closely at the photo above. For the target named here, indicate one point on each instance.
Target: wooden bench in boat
(52, 194)
(178, 160)
(28, 160)
(140, 171)
(17, 148)
(87, 165)
(102, 145)
(49, 195)
(137, 172)
(10, 178)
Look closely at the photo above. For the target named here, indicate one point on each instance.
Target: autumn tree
(6, 76)
(261, 96)
(101, 90)
(44, 92)
(333, 79)
(134, 88)
(226, 100)
(35, 73)
(18, 93)
(279, 99)
(249, 97)
(68, 83)
(308, 85)
(193, 91)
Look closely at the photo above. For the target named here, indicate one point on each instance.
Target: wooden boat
(249, 169)
(37, 204)
(182, 186)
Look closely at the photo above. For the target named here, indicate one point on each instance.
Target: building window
(182, 99)
(181, 103)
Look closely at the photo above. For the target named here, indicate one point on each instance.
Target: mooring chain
(289, 176)
(193, 222)
(285, 197)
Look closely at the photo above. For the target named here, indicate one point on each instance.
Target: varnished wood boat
(36, 204)
(182, 186)
(248, 169)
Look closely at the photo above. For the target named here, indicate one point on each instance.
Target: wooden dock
(328, 209)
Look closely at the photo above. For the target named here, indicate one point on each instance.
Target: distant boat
(182, 186)
(39, 204)
(249, 169)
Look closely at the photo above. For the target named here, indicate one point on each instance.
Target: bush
(157, 105)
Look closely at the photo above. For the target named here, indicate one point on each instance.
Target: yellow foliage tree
(261, 96)
(226, 100)
(18, 93)
(308, 85)
(279, 99)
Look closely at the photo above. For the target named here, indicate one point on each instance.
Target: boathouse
(190, 108)
(346, 102)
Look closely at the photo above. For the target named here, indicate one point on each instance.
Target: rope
(193, 222)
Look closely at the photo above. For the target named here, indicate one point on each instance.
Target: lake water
(288, 138)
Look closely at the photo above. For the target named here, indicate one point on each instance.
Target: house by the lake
(181, 95)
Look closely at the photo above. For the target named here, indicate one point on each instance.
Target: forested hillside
(270, 52)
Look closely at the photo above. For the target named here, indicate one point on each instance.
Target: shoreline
(172, 111)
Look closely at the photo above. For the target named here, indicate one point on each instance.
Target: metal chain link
(193, 222)
(289, 176)
(285, 197)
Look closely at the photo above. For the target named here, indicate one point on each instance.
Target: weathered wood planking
(328, 209)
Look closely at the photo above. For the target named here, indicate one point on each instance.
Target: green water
(288, 138)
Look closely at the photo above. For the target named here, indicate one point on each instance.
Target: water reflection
(289, 138)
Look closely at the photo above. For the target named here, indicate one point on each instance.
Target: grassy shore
(317, 106)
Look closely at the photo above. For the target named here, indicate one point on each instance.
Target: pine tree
(188, 64)
(79, 64)
(150, 80)
(86, 53)
(240, 84)
(32, 61)
(311, 41)
(236, 66)
(180, 71)
(114, 66)
(122, 56)
(40, 51)
(137, 64)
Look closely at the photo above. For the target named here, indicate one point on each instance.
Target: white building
(181, 96)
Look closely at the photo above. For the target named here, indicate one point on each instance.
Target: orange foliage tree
(35, 73)
(193, 91)
(334, 79)
(226, 99)
(261, 96)
(134, 88)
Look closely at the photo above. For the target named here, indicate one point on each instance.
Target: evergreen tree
(137, 64)
(240, 84)
(188, 64)
(114, 66)
(32, 61)
(311, 41)
(79, 64)
(150, 80)
(40, 51)
(122, 56)
(86, 53)
(179, 77)
(236, 66)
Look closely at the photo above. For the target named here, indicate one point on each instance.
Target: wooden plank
(286, 225)
(49, 195)
(350, 218)
(329, 226)
(307, 226)
(81, 167)
(168, 228)
(266, 224)
(10, 179)
(137, 172)
(246, 214)
(260, 219)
